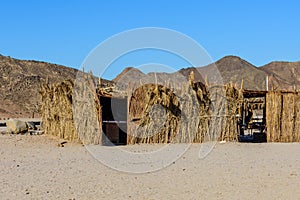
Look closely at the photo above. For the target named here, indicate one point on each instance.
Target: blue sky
(64, 32)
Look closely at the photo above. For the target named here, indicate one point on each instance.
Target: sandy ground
(34, 167)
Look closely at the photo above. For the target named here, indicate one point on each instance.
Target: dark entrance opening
(252, 117)
(114, 120)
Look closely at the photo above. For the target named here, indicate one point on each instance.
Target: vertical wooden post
(128, 132)
(294, 117)
(280, 117)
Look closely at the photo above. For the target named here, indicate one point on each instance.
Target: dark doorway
(114, 120)
(252, 117)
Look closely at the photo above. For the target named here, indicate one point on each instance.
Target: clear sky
(64, 32)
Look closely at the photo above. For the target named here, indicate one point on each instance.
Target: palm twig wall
(283, 116)
(57, 114)
(195, 114)
(156, 114)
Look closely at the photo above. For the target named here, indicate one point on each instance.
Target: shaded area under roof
(254, 93)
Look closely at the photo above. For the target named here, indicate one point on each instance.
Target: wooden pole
(280, 117)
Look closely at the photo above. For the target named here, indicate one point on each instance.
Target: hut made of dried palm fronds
(71, 110)
(156, 113)
(283, 116)
(226, 100)
(87, 109)
(193, 114)
(57, 114)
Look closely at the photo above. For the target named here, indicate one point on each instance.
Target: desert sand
(35, 167)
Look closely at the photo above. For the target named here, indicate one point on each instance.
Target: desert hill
(20, 81)
(283, 75)
(234, 69)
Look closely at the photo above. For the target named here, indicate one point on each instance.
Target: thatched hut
(154, 113)
(150, 113)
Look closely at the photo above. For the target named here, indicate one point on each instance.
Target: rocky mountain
(283, 75)
(130, 73)
(20, 81)
(234, 69)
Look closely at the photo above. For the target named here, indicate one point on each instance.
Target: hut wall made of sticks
(72, 111)
(156, 114)
(57, 115)
(283, 116)
(87, 110)
(195, 113)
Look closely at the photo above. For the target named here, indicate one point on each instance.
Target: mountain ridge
(229, 69)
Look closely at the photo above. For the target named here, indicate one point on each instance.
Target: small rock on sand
(15, 126)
